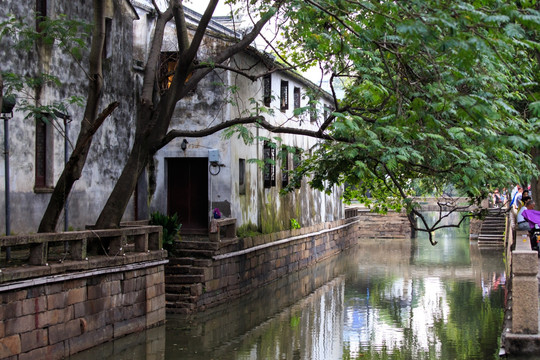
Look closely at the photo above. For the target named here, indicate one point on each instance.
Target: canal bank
(380, 299)
(203, 274)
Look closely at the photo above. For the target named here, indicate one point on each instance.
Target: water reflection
(382, 300)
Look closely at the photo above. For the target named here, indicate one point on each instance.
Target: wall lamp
(183, 145)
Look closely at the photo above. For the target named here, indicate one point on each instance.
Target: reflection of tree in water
(468, 334)
(465, 323)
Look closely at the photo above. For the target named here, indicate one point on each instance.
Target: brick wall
(73, 312)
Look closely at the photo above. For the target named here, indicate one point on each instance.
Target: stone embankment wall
(63, 314)
(65, 299)
(205, 274)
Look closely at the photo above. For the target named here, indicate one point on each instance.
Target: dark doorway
(187, 195)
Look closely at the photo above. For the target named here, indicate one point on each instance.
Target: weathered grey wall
(111, 143)
(213, 102)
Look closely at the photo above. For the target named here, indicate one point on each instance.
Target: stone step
(489, 237)
(180, 305)
(184, 279)
(174, 298)
(183, 270)
(181, 261)
(492, 231)
(178, 288)
(197, 245)
(181, 311)
(195, 253)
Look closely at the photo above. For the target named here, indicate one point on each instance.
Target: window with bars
(312, 111)
(167, 67)
(269, 154)
(43, 152)
(284, 167)
(242, 176)
(107, 44)
(284, 95)
(41, 13)
(296, 97)
(297, 159)
(267, 89)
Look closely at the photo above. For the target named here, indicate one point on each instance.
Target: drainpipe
(66, 140)
(8, 104)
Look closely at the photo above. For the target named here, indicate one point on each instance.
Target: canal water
(385, 299)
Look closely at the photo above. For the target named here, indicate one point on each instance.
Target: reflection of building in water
(377, 320)
(310, 329)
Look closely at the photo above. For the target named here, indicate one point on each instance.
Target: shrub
(171, 227)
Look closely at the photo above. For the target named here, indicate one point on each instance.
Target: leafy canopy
(436, 93)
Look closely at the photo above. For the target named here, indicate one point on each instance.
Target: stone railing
(34, 249)
(521, 335)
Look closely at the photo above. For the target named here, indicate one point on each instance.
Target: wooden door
(187, 193)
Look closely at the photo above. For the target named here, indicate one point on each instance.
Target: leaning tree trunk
(89, 125)
(148, 139)
(114, 209)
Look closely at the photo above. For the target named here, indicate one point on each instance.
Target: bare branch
(191, 52)
(181, 26)
(226, 54)
(150, 72)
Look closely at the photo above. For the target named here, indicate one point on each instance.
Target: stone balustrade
(521, 334)
(143, 238)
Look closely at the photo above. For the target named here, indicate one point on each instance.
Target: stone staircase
(493, 229)
(189, 267)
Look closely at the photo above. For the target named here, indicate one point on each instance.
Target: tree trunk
(114, 209)
(73, 169)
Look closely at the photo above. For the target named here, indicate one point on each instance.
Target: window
(284, 167)
(267, 89)
(269, 153)
(312, 111)
(167, 67)
(296, 97)
(242, 176)
(297, 158)
(43, 153)
(41, 13)
(107, 44)
(284, 97)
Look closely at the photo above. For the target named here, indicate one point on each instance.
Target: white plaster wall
(111, 143)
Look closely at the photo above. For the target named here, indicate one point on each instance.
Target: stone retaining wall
(72, 312)
(57, 304)
(235, 268)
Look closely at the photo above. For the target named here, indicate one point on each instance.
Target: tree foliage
(440, 92)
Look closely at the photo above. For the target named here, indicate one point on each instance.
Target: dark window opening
(296, 97)
(41, 13)
(242, 176)
(312, 111)
(269, 153)
(167, 68)
(267, 89)
(107, 43)
(42, 150)
(284, 167)
(284, 97)
(297, 158)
